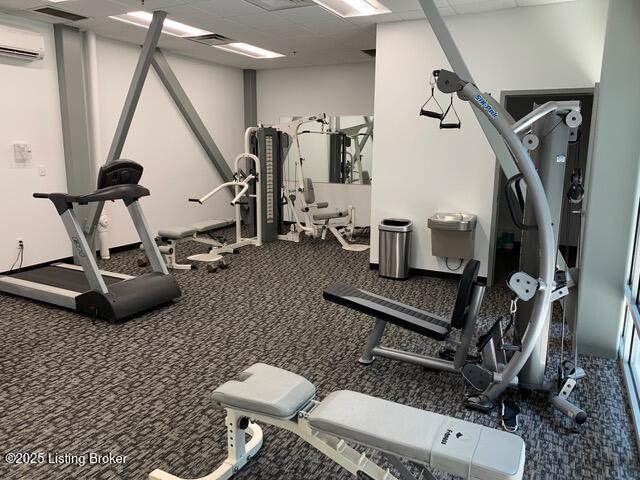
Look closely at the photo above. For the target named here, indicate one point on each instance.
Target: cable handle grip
(196, 200)
(511, 202)
(450, 125)
(40, 195)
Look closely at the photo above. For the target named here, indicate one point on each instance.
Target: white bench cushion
(176, 233)
(207, 225)
(266, 390)
(455, 446)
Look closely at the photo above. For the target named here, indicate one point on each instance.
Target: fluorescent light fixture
(56, 1)
(170, 27)
(248, 50)
(353, 8)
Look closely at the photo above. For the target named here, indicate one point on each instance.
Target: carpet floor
(73, 385)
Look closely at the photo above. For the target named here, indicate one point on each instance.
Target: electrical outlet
(42, 170)
(20, 243)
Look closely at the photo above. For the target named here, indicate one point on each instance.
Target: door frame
(504, 95)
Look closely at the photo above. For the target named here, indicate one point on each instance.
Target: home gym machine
(84, 287)
(537, 288)
(345, 152)
(289, 207)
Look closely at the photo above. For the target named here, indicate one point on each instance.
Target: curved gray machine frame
(449, 82)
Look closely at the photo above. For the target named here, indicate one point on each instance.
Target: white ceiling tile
(228, 8)
(374, 19)
(401, 5)
(133, 5)
(446, 11)
(414, 14)
(476, 6)
(92, 8)
(308, 15)
(531, 3)
(10, 5)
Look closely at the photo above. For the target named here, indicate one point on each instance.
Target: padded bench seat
(266, 390)
(177, 233)
(455, 446)
(330, 215)
(383, 308)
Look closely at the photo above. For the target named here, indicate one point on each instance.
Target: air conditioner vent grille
(276, 5)
(211, 39)
(54, 12)
(14, 52)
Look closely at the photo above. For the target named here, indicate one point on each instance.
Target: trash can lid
(396, 225)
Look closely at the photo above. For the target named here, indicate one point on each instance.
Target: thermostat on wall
(22, 154)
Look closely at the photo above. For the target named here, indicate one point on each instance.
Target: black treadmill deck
(61, 277)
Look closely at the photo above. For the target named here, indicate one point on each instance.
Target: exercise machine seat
(266, 390)
(380, 307)
(456, 446)
(207, 225)
(330, 215)
(176, 233)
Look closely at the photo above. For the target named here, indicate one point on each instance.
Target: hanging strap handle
(425, 112)
(451, 108)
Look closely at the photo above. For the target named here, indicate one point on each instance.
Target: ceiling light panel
(170, 27)
(277, 5)
(248, 50)
(353, 8)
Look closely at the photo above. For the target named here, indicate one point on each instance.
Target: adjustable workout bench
(283, 399)
(169, 238)
(385, 310)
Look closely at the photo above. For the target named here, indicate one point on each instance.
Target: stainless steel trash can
(395, 246)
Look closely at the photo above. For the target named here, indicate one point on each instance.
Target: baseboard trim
(429, 273)
(121, 248)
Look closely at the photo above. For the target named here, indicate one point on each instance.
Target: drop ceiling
(308, 35)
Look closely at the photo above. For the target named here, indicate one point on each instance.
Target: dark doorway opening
(507, 235)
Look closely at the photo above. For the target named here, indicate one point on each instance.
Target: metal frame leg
(240, 452)
(83, 252)
(150, 247)
(373, 341)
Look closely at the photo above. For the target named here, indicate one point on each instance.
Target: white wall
(334, 90)
(30, 114)
(176, 167)
(612, 189)
(429, 170)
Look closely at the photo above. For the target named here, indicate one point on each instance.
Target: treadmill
(85, 288)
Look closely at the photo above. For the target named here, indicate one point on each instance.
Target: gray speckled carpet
(70, 384)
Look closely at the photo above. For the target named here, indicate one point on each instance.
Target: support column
(612, 187)
(74, 110)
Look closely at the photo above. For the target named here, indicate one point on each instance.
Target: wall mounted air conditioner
(22, 44)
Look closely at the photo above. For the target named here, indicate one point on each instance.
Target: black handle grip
(430, 114)
(196, 200)
(40, 195)
(511, 202)
(450, 125)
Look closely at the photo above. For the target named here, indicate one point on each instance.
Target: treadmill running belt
(61, 277)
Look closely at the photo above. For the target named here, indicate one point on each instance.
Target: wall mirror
(337, 151)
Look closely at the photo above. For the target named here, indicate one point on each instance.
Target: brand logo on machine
(485, 106)
(78, 246)
(447, 434)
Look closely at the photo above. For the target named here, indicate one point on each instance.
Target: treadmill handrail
(126, 192)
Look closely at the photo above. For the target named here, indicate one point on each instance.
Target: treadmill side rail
(38, 291)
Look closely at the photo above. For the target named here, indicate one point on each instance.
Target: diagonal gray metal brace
(180, 98)
(130, 104)
(505, 159)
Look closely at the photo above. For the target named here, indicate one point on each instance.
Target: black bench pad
(400, 314)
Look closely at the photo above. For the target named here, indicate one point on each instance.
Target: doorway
(506, 246)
